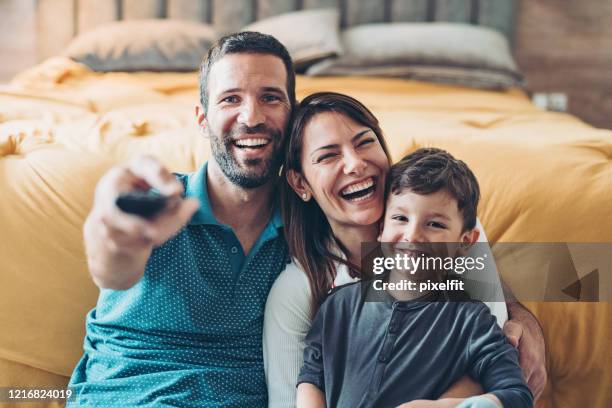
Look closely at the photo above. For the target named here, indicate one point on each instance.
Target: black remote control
(143, 203)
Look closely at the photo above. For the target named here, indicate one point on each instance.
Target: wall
(17, 36)
(566, 46)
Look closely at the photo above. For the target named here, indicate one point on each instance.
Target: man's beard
(256, 172)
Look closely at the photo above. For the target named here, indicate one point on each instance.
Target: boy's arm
(494, 362)
(309, 396)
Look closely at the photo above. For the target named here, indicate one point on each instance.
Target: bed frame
(58, 21)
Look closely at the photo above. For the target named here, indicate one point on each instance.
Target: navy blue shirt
(385, 353)
(189, 333)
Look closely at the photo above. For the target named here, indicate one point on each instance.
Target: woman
(336, 161)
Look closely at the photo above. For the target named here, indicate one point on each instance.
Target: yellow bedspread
(544, 177)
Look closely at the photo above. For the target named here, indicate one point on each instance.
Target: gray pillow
(309, 35)
(440, 52)
(143, 45)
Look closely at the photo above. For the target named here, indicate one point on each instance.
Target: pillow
(143, 45)
(309, 35)
(441, 52)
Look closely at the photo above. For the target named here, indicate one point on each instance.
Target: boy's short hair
(429, 170)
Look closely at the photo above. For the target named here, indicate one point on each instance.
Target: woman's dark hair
(307, 230)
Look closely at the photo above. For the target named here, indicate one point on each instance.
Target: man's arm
(525, 333)
(118, 244)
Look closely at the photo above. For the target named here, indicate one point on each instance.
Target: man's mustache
(247, 130)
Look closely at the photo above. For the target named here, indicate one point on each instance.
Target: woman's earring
(305, 196)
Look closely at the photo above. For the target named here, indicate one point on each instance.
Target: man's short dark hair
(249, 42)
(429, 170)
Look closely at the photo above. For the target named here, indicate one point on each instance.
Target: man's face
(247, 114)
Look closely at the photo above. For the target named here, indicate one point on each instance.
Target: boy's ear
(468, 239)
(299, 184)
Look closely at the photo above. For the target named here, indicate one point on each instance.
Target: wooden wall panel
(92, 13)
(56, 19)
(268, 8)
(565, 47)
(231, 15)
(192, 10)
(408, 10)
(141, 9)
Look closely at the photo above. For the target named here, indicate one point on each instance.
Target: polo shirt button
(234, 250)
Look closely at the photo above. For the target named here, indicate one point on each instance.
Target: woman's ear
(381, 227)
(299, 184)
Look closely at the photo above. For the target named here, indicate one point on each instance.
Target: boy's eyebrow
(433, 214)
(441, 215)
(333, 146)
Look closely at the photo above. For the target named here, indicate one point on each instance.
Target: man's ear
(200, 117)
(299, 184)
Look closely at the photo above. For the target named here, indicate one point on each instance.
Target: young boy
(411, 344)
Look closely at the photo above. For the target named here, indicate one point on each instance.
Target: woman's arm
(309, 396)
(286, 323)
(463, 388)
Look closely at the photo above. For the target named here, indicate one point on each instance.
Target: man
(179, 318)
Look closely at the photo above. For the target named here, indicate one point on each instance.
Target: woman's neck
(351, 237)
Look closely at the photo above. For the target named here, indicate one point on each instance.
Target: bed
(545, 177)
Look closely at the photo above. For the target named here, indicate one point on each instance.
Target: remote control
(143, 203)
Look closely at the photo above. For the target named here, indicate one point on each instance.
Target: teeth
(358, 186)
(251, 142)
(365, 197)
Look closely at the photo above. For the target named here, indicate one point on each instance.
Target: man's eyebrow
(231, 90)
(334, 146)
(274, 89)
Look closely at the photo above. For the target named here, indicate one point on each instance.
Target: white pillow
(308, 35)
(143, 45)
(449, 52)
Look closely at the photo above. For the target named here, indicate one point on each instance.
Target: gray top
(385, 353)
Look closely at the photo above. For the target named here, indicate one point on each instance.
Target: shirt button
(234, 250)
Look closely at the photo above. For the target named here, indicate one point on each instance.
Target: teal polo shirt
(189, 333)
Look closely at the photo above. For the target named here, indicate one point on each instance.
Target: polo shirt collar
(197, 187)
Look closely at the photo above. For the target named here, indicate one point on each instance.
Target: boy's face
(413, 218)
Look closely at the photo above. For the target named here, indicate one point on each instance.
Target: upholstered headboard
(60, 20)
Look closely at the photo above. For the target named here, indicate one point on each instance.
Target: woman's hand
(480, 401)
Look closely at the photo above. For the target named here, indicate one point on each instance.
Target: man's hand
(118, 244)
(524, 332)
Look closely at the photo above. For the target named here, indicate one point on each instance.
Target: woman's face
(343, 169)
